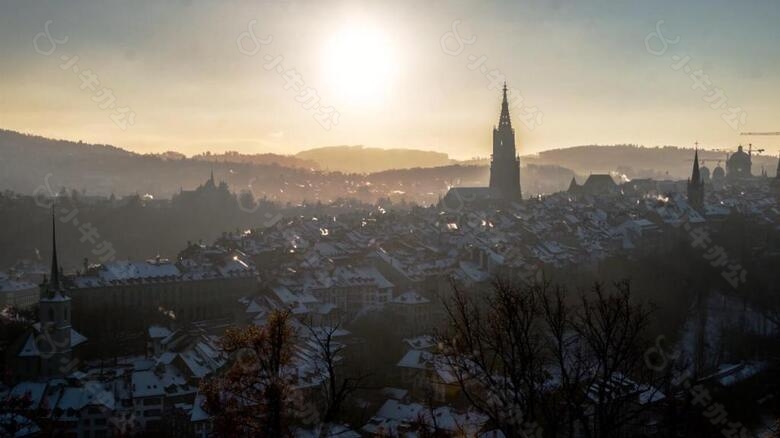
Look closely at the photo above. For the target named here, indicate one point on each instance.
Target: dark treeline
(136, 227)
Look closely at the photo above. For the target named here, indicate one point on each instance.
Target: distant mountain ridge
(660, 162)
(361, 159)
(25, 160)
(347, 159)
(261, 159)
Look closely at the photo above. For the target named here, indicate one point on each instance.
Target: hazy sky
(583, 64)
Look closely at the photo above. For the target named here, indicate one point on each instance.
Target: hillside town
(349, 268)
(134, 347)
(389, 219)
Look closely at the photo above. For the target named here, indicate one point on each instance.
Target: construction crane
(704, 161)
(760, 133)
(750, 150)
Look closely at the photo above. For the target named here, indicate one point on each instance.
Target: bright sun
(360, 64)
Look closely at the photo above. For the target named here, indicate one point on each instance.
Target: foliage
(253, 396)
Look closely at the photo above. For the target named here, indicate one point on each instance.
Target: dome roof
(704, 171)
(739, 155)
(718, 173)
(738, 164)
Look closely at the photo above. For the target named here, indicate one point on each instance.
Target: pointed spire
(210, 182)
(54, 280)
(696, 175)
(696, 184)
(505, 121)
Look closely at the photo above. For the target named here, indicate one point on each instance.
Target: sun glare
(360, 64)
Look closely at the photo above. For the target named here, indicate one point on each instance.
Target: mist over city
(357, 219)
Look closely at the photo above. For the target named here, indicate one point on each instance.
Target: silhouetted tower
(505, 163)
(54, 342)
(211, 183)
(696, 184)
(775, 183)
(777, 172)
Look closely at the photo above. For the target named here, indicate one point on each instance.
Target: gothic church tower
(505, 163)
(696, 185)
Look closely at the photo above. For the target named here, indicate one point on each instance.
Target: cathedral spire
(54, 281)
(505, 162)
(696, 184)
(505, 121)
(696, 175)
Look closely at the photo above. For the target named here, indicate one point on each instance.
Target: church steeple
(696, 184)
(54, 285)
(504, 163)
(696, 175)
(210, 183)
(504, 120)
(54, 317)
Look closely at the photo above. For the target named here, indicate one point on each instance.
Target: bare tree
(562, 409)
(337, 384)
(524, 354)
(611, 329)
(252, 397)
(494, 348)
(426, 423)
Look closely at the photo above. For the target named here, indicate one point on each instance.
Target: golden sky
(381, 66)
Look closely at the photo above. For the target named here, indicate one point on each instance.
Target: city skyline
(595, 73)
(364, 219)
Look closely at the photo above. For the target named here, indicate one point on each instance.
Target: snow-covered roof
(125, 270)
(147, 384)
(31, 348)
(410, 297)
(158, 332)
(32, 390)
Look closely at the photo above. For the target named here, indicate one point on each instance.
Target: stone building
(504, 167)
(738, 164)
(205, 283)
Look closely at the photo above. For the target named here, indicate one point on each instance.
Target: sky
(581, 73)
